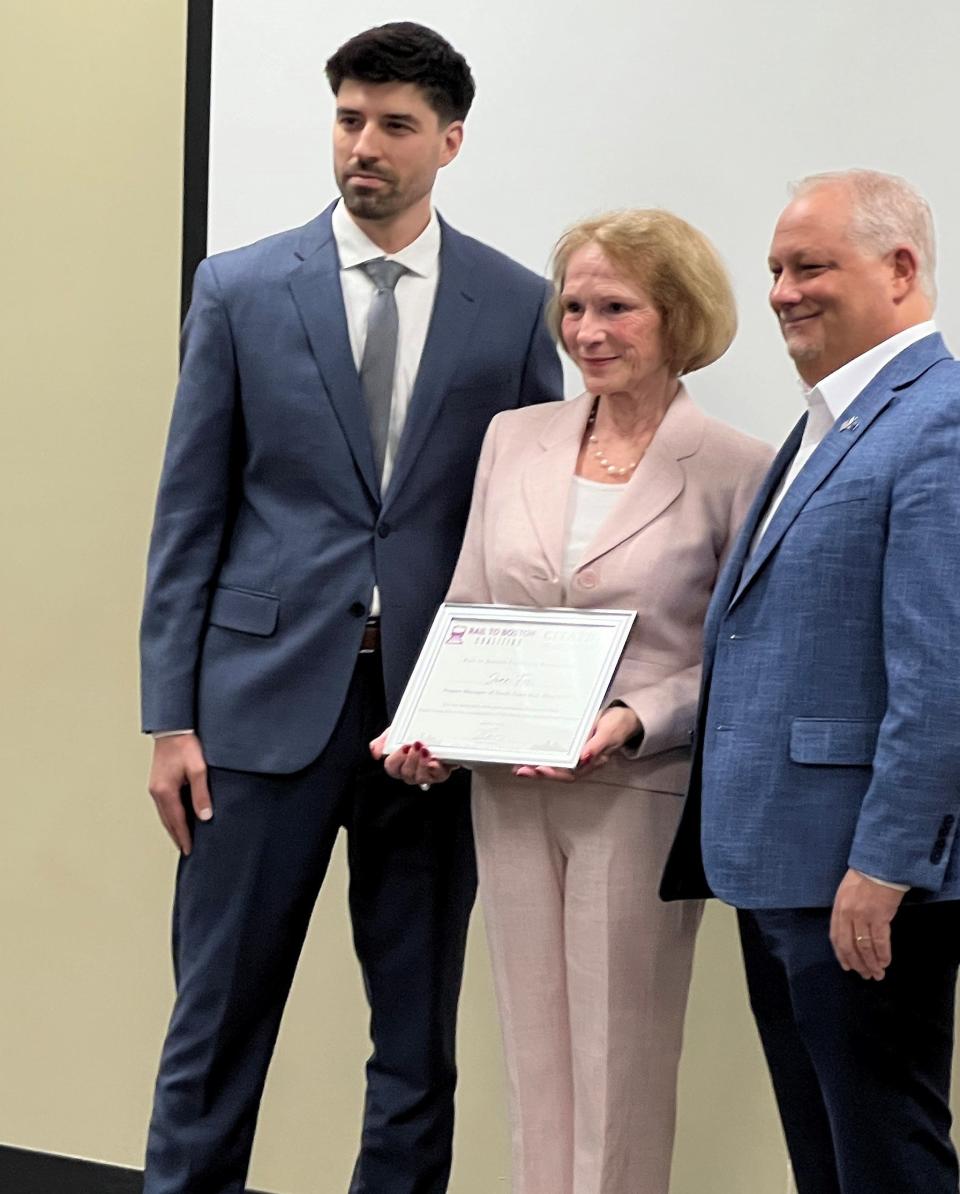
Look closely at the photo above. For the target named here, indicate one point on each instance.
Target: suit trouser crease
(591, 973)
(243, 905)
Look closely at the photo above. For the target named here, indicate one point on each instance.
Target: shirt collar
(838, 389)
(354, 247)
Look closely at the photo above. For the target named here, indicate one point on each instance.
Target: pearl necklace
(598, 453)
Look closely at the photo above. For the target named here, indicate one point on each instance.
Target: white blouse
(589, 505)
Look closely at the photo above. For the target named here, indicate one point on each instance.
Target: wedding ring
(859, 939)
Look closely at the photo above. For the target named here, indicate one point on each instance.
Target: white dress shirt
(415, 292)
(829, 398)
(826, 402)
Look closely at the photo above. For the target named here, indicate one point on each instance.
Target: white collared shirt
(828, 400)
(415, 293)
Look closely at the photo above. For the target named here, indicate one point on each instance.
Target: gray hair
(888, 211)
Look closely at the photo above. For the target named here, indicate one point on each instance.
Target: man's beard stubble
(371, 205)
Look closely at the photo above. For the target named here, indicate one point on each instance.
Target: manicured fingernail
(405, 750)
(587, 757)
(205, 814)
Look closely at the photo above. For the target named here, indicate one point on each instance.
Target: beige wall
(92, 215)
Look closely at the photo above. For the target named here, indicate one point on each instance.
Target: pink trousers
(591, 973)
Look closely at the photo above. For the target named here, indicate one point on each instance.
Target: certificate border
(619, 622)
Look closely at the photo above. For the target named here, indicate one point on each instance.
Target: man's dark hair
(404, 52)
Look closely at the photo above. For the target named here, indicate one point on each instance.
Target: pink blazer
(659, 552)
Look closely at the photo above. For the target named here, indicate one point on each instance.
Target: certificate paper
(510, 684)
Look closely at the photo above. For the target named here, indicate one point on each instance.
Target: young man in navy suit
(826, 785)
(336, 383)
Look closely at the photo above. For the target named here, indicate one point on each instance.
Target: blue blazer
(270, 531)
(829, 725)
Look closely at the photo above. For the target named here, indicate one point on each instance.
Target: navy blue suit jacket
(270, 531)
(829, 727)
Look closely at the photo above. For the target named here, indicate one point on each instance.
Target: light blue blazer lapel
(455, 310)
(902, 371)
(732, 570)
(315, 284)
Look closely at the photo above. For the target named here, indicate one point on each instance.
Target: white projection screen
(703, 108)
(708, 109)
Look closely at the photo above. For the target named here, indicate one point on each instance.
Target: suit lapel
(455, 310)
(658, 480)
(731, 576)
(315, 284)
(547, 476)
(854, 422)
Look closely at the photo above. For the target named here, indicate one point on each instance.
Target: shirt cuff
(886, 882)
(155, 734)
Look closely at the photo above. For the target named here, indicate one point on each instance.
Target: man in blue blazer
(826, 784)
(336, 384)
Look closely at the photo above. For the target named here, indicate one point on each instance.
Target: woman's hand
(413, 764)
(613, 728)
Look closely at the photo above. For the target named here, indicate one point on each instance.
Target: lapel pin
(851, 424)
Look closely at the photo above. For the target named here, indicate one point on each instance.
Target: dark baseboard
(25, 1172)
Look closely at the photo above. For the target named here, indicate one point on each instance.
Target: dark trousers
(861, 1069)
(243, 902)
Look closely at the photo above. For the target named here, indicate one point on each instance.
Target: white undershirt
(826, 402)
(589, 505)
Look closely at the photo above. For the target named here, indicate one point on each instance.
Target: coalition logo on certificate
(456, 634)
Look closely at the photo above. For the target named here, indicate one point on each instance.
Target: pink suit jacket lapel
(657, 482)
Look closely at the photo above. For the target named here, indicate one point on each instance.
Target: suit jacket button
(936, 854)
(588, 580)
(358, 609)
(947, 822)
(383, 530)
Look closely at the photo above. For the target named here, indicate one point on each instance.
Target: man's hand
(860, 924)
(179, 760)
(614, 727)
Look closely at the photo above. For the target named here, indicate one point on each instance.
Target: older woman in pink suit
(626, 497)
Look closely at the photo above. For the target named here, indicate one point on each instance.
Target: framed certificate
(510, 684)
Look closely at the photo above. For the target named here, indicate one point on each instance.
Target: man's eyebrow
(408, 116)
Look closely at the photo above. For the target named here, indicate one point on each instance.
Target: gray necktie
(380, 353)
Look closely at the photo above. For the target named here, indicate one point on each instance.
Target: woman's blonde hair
(678, 268)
